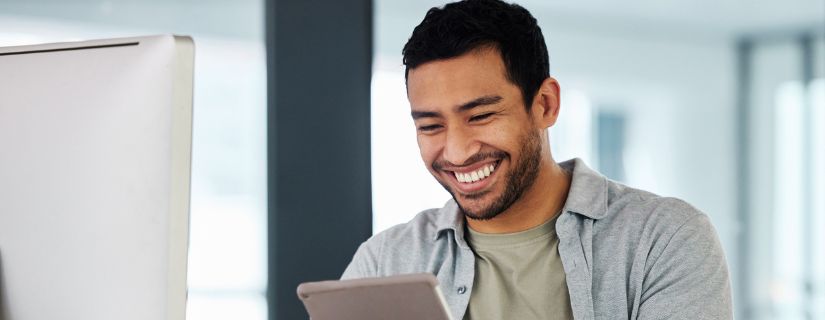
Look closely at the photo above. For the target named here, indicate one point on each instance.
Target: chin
(478, 211)
(483, 205)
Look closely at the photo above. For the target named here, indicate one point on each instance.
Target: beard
(518, 179)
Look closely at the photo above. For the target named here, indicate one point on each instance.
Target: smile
(477, 175)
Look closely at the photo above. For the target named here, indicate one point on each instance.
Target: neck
(539, 203)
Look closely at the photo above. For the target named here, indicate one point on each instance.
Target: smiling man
(525, 237)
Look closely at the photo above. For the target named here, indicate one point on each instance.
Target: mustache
(481, 156)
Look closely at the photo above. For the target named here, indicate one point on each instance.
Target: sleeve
(365, 261)
(689, 279)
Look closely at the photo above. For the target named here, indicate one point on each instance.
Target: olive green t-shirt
(518, 275)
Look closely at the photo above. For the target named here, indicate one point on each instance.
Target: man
(525, 237)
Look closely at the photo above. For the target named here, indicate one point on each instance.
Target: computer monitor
(95, 153)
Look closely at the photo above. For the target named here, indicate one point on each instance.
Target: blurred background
(719, 103)
(227, 253)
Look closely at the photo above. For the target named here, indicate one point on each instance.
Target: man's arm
(689, 279)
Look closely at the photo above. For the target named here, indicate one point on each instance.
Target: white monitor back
(95, 153)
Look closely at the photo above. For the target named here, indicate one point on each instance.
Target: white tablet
(402, 297)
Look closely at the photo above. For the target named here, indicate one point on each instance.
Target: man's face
(474, 133)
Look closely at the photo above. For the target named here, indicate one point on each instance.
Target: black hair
(460, 27)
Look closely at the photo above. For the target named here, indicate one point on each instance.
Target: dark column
(319, 56)
(744, 54)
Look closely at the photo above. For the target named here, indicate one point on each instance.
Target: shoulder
(631, 206)
(642, 225)
(676, 253)
(659, 227)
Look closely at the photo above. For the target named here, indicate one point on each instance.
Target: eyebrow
(481, 101)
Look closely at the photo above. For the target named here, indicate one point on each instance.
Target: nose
(460, 146)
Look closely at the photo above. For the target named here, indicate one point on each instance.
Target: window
(797, 270)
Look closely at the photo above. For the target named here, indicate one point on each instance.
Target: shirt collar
(588, 190)
(587, 197)
(450, 217)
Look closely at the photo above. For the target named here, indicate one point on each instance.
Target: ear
(547, 102)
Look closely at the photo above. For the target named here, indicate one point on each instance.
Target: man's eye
(429, 128)
(481, 117)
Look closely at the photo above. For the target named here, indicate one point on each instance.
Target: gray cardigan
(626, 253)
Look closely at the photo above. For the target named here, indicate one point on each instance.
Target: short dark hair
(460, 27)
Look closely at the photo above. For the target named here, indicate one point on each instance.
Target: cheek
(428, 150)
(501, 136)
(508, 137)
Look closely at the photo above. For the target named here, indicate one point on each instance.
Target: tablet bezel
(319, 297)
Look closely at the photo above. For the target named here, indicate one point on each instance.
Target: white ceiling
(724, 17)
(697, 19)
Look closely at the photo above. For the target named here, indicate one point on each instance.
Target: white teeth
(474, 176)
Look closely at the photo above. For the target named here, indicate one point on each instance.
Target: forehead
(449, 82)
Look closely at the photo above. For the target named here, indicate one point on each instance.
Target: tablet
(402, 297)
